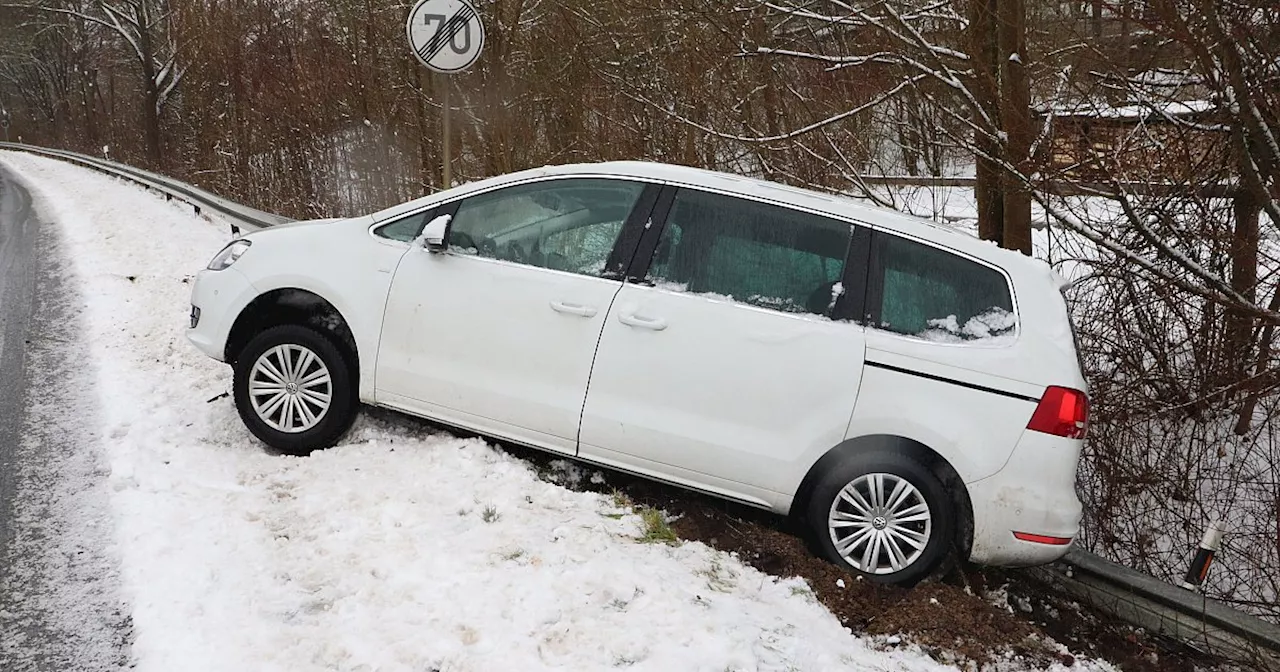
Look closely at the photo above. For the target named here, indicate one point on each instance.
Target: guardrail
(1200, 622)
(198, 198)
(1141, 600)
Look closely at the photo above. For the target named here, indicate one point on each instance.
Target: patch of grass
(510, 556)
(656, 529)
(620, 499)
(719, 578)
(490, 515)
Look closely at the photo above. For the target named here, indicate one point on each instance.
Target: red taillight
(1042, 539)
(1062, 412)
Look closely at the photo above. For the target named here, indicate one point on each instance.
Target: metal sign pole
(447, 37)
(448, 136)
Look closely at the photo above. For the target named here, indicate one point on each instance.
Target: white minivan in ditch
(908, 390)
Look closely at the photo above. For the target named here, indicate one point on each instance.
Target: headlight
(229, 255)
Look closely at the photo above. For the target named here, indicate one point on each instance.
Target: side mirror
(432, 236)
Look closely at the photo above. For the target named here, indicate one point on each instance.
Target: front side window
(764, 255)
(567, 225)
(406, 228)
(940, 296)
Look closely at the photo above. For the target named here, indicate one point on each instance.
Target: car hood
(308, 222)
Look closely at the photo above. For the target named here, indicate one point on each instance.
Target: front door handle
(632, 320)
(573, 309)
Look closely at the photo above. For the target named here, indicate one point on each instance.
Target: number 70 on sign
(439, 21)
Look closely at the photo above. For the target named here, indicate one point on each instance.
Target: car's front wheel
(884, 516)
(293, 389)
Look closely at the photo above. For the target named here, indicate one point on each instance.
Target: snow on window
(996, 323)
(837, 291)
(667, 285)
(939, 296)
(784, 304)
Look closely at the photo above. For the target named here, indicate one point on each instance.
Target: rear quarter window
(933, 294)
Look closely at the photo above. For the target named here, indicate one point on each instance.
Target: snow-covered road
(401, 549)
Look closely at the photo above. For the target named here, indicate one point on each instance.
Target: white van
(909, 390)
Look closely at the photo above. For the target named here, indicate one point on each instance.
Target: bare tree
(147, 28)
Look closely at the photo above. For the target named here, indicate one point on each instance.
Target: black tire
(940, 529)
(332, 424)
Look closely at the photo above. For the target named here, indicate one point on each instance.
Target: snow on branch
(909, 81)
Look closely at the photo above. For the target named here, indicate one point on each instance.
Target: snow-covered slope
(375, 555)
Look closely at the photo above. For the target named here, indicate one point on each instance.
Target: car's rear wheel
(884, 516)
(293, 389)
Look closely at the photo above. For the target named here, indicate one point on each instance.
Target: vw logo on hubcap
(879, 522)
(291, 388)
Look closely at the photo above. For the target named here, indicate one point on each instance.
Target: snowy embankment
(400, 549)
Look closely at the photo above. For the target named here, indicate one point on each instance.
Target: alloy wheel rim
(880, 523)
(290, 388)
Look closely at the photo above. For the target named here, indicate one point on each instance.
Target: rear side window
(939, 296)
(764, 255)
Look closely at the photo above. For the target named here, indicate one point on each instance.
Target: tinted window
(406, 228)
(568, 225)
(760, 254)
(940, 296)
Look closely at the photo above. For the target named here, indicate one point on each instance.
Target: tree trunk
(151, 127)
(982, 40)
(1015, 115)
(150, 102)
(1244, 280)
(1261, 366)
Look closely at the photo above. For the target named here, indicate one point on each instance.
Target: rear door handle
(631, 320)
(573, 309)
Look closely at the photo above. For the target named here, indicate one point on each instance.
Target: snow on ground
(398, 550)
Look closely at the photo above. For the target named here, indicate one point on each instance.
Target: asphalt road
(60, 607)
(17, 299)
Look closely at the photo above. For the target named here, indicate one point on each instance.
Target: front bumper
(217, 297)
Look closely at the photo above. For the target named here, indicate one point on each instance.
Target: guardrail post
(1209, 545)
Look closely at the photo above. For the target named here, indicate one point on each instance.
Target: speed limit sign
(446, 35)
